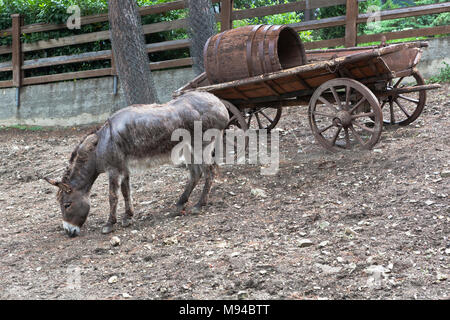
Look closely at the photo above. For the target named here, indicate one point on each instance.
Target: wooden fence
(226, 17)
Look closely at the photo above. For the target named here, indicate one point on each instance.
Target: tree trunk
(202, 26)
(130, 54)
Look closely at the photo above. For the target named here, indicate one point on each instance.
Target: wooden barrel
(252, 50)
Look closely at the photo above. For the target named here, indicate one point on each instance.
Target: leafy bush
(443, 76)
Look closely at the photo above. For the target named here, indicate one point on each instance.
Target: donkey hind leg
(129, 209)
(209, 171)
(195, 173)
(113, 200)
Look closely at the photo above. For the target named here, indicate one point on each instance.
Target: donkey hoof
(177, 211)
(126, 222)
(196, 210)
(107, 228)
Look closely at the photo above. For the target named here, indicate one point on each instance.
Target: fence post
(350, 23)
(226, 15)
(17, 56)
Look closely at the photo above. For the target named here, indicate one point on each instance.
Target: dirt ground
(365, 225)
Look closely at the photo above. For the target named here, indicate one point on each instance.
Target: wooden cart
(351, 93)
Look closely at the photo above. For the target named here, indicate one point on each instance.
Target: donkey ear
(63, 186)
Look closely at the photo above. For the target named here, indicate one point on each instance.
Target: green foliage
(22, 128)
(443, 76)
(395, 25)
(282, 18)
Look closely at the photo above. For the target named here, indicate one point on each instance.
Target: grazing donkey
(136, 135)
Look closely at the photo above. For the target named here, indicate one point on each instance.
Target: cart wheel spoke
(336, 97)
(408, 99)
(326, 128)
(364, 127)
(336, 136)
(362, 115)
(398, 82)
(357, 136)
(358, 105)
(249, 119)
(267, 117)
(402, 108)
(327, 115)
(259, 121)
(328, 104)
(348, 91)
(347, 139)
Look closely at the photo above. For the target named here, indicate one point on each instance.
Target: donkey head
(73, 194)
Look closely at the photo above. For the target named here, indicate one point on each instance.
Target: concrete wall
(434, 56)
(91, 101)
(80, 102)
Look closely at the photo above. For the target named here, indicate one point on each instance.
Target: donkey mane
(76, 161)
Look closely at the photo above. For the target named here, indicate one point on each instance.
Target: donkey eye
(67, 205)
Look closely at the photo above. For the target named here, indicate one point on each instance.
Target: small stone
(113, 279)
(115, 241)
(126, 295)
(445, 173)
(429, 202)
(259, 193)
(375, 269)
(304, 243)
(324, 244)
(441, 277)
(328, 269)
(242, 295)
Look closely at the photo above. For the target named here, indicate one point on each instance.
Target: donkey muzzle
(71, 230)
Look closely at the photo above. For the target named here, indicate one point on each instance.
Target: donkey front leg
(113, 200)
(129, 209)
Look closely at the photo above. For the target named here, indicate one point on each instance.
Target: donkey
(138, 134)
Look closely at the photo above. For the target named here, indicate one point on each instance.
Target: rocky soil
(362, 225)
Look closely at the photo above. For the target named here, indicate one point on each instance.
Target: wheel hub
(343, 119)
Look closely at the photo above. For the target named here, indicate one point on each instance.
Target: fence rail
(226, 17)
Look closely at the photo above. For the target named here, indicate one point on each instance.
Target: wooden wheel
(262, 118)
(345, 114)
(235, 125)
(403, 109)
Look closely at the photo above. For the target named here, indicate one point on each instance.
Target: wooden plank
(6, 84)
(92, 56)
(175, 63)
(168, 45)
(5, 49)
(67, 76)
(17, 57)
(226, 15)
(324, 43)
(66, 41)
(283, 8)
(408, 12)
(61, 60)
(98, 36)
(6, 66)
(350, 25)
(318, 24)
(422, 32)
